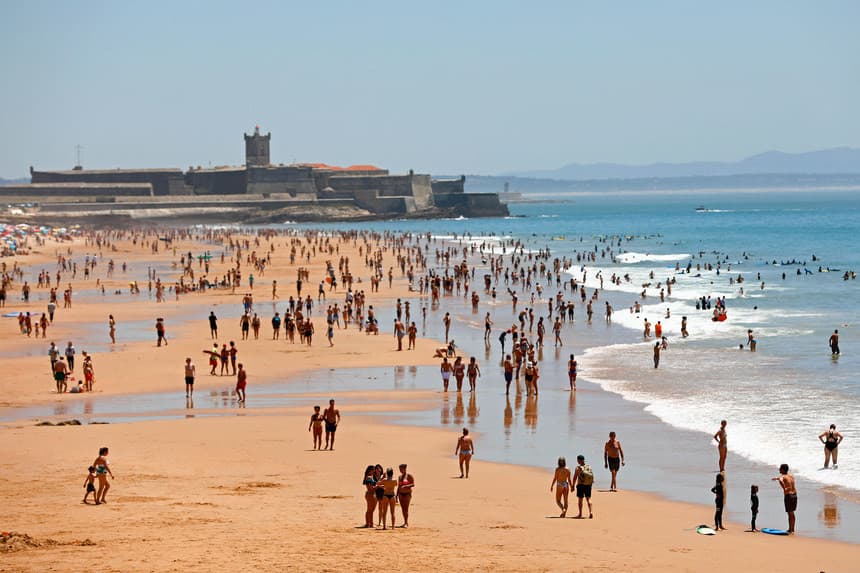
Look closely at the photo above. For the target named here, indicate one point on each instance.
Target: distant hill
(826, 161)
(496, 183)
(14, 181)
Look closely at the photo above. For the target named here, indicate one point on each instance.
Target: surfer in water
(831, 440)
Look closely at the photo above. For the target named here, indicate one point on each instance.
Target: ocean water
(776, 400)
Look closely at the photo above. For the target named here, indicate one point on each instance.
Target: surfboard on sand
(705, 530)
(773, 531)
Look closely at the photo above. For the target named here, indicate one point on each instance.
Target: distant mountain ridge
(14, 181)
(842, 160)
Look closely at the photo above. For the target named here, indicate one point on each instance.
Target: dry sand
(219, 494)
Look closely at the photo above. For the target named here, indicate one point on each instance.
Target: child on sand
(719, 501)
(753, 506)
(89, 484)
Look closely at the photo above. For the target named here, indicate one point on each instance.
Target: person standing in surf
(834, 343)
(786, 481)
(831, 440)
(722, 444)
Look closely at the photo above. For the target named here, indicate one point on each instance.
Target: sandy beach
(219, 492)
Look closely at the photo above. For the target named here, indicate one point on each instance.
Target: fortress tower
(257, 148)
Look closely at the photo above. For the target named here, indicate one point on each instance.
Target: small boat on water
(701, 209)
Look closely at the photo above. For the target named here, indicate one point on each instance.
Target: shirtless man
(446, 369)
(722, 444)
(332, 419)
(509, 373)
(613, 458)
(786, 481)
(190, 372)
(447, 322)
(465, 449)
(834, 343)
(61, 372)
(316, 424)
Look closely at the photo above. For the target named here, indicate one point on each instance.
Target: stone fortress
(256, 192)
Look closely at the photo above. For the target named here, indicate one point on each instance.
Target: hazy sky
(444, 87)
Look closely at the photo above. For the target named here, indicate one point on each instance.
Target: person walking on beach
(316, 424)
(561, 477)
(159, 331)
(332, 419)
(719, 492)
(447, 322)
(70, 357)
(571, 372)
(213, 325)
(613, 459)
(405, 485)
(102, 466)
(583, 478)
(722, 444)
(473, 371)
(445, 368)
(89, 484)
(834, 343)
(657, 349)
(112, 329)
(786, 481)
(465, 450)
(190, 373)
(241, 383)
(831, 440)
(509, 373)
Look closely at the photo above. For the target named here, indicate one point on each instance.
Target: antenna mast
(78, 149)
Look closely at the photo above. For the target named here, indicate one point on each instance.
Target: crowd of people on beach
(553, 289)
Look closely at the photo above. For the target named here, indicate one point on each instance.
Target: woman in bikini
(562, 479)
(369, 495)
(379, 490)
(571, 372)
(389, 495)
(465, 450)
(459, 372)
(405, 484)
(102, 466)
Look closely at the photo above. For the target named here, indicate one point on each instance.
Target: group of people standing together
(383, 492)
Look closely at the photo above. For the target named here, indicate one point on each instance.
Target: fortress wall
(36, 192)
(386, 185)
(297, 181)
(160, 179)
(449, 185)
(422, 192)
(371, 200)
(211, 182)
(472, 204)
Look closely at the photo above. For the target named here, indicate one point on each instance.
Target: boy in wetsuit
(316, 424)
(753, 506)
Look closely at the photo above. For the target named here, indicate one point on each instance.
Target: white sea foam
(771, 420)
(630, 258)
